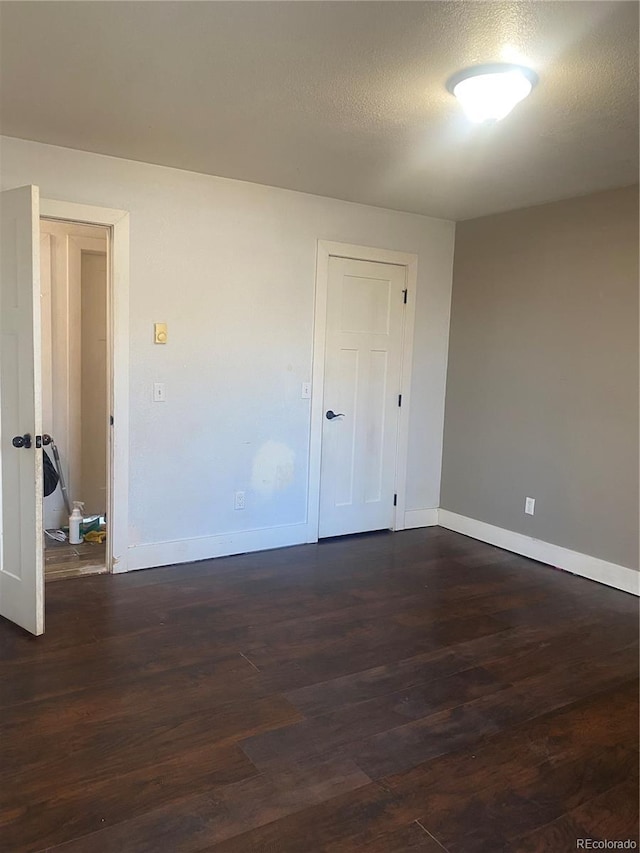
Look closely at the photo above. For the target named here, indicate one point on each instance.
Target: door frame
(325, 250)
(117, 222)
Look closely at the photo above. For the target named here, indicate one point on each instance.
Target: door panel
(365, 315)
(21, 548)
(365, 304)
(345, 450)
(375, 414)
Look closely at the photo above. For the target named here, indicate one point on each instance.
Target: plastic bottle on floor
(75, 520)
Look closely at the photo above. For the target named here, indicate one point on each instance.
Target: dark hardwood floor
(417, 691)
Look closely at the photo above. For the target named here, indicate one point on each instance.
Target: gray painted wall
(542, 386)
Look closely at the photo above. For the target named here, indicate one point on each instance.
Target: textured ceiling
(343, 99)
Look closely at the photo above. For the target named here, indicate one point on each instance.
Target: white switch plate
(239, 500)
(158, 392)
(529, 505)
(306, 391)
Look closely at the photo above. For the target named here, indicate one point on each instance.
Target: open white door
(21, 549)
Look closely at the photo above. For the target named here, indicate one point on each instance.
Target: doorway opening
(74, 275)
(22, 469)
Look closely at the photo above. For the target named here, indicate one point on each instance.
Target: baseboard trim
(227, 544)
(206, 547)
(593, 568)
(420, 518)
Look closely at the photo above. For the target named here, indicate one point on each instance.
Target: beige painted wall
(542, 386)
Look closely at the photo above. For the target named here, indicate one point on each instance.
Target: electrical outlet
(239, 500)
(529, 505)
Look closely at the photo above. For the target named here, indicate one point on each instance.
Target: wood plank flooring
(62, 560)
(417, 691)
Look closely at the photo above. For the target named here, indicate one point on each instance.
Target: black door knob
(46, 439)
(22, 440)
(331, 415)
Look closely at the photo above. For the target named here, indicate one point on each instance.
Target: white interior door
(21, 550)
(363, 358)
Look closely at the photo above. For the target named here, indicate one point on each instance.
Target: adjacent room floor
(62, 560)
(416, 691)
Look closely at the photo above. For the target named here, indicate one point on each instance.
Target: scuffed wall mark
(273, 468)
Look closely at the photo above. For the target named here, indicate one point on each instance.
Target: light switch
(306, 390)
(160, 333)
(158, 392)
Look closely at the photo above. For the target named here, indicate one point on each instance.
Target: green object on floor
(90, 524)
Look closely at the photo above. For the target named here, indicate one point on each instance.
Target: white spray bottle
(75, 520)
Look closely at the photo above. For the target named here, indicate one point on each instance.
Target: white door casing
(393, 458)
(21, 486)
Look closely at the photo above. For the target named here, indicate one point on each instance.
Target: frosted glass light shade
(489, 93)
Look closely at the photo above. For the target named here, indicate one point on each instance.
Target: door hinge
(399, 399)
(405, 293)
(111, 420)
(395, 500)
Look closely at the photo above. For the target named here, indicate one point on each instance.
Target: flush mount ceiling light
(487, 93)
